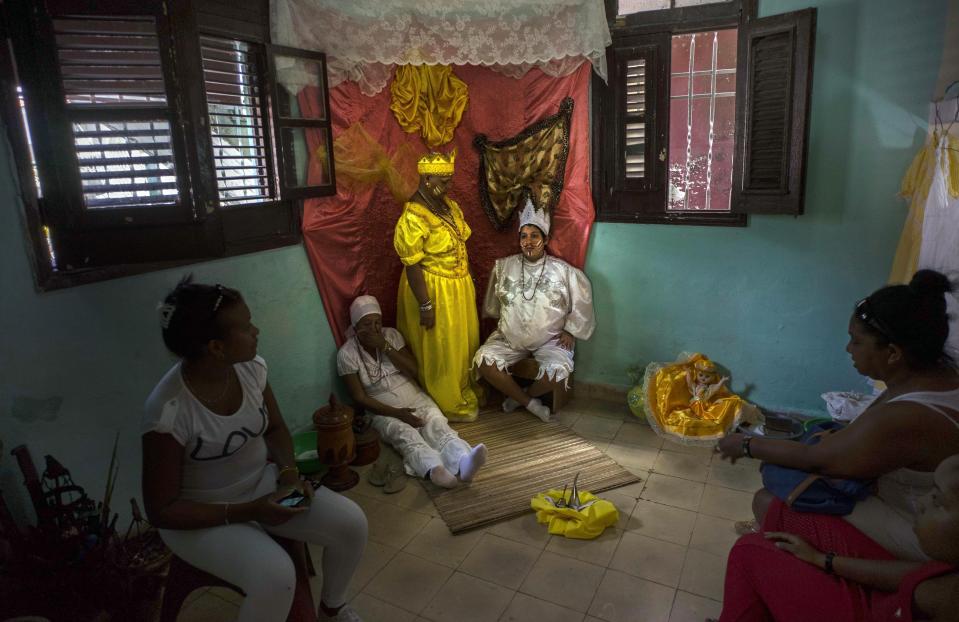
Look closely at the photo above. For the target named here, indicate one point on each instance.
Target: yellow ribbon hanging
(429, 99)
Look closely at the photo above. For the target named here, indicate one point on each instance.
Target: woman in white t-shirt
(217, 458)
(380, 372)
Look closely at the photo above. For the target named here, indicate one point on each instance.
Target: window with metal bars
(158, 139)
(704, 118)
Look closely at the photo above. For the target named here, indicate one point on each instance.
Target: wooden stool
(528, 369)
(183, 578)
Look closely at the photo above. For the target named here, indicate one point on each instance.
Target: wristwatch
(387, 348)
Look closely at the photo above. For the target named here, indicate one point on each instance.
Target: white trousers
(245, 555)
(555, 362)
(423, 448)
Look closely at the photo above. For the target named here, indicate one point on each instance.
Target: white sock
(539, 409)
(441, 477)
(509, 405)
(471, 462)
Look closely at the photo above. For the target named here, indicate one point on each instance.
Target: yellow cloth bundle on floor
(586, 523)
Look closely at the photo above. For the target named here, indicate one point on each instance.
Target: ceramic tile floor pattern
(664, 561)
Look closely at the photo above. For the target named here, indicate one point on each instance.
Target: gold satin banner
(428, 99)
(361, 160)
(533, 162)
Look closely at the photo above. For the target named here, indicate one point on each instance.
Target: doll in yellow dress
(688, 402)
(436, 302)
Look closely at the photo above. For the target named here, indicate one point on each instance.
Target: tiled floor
(665, 560)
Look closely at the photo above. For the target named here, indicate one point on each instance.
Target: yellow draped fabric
(915, 187)
(671, 410)
(429, 99)
(584, 524)
(443, 353)
(361, 160)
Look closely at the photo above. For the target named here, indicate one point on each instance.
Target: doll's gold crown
(704, 365)
(436, 164)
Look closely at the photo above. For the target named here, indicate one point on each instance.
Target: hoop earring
(429, 186)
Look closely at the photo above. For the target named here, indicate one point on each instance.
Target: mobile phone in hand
(293, 500)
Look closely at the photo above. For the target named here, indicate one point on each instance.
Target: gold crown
(704, 365)
(436, 164)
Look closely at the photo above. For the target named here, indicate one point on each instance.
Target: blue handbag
(809, 492)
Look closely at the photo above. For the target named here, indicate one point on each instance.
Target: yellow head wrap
(436, 164)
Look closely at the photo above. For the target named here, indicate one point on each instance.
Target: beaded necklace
(449, 220)
(542, 273)
(375, 374)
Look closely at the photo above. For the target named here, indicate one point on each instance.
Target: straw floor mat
(526, 456)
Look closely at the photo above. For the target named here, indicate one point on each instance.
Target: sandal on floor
(395, 479)
(378, 474)
(743, 527)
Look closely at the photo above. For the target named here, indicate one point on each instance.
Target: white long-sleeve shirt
(536, 301)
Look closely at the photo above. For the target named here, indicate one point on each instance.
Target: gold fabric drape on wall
(429, 99)
(533, 161)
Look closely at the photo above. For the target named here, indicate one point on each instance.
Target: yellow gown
(443, 353)
(674, 413)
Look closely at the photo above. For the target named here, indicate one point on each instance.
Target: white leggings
(245, 555)
(423, 448)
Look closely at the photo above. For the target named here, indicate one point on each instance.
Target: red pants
(765, 583)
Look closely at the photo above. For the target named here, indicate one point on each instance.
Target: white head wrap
(533, 216)
(363, 306)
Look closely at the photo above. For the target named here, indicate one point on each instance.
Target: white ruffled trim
(364, 39)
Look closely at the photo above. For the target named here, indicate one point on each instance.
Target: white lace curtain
(364, 39)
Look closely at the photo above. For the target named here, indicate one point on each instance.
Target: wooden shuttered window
(636, 126)
(116, 102)
(152, 131)
(763, 164)
(772, 117)
(236, 112)
(301, 115)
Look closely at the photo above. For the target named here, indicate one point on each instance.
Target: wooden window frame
(615, 198)
(280, 122)
(135, 241)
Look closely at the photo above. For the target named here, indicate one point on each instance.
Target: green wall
(77, 364)
(771, 301)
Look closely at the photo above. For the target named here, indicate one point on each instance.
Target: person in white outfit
(209, 428)
(544, 305)
(381, 375)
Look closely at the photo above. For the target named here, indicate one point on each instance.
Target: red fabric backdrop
(349, 237)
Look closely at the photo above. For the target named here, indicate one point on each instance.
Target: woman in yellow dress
(436, 303)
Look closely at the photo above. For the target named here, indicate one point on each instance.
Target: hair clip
(166, 314)
(219, 297)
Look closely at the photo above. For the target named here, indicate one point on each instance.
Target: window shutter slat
(772, 99)
(232, 75)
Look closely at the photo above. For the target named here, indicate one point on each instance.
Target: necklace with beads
(375, 374)
(446, 217)
(542, 273)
